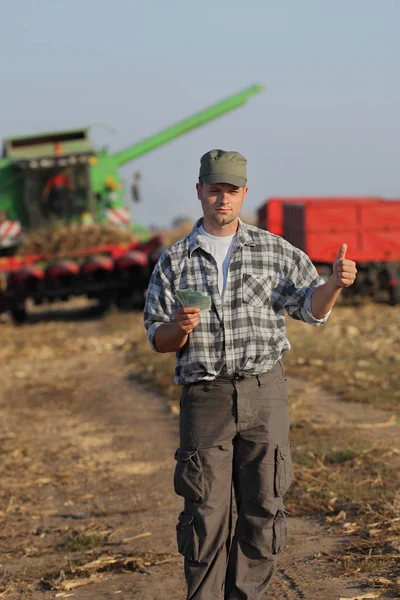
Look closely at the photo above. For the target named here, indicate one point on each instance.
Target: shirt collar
(243, 238)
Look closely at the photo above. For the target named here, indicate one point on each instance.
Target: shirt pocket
(256, 289)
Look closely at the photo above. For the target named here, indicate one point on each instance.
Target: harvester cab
(51, 179)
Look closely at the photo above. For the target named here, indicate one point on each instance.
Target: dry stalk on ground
(63, 239)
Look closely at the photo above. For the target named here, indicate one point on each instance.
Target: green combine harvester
(29, 163)
(59, 177)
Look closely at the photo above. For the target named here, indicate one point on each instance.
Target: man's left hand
(344, 269)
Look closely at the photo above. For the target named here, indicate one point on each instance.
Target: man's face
(221, 202)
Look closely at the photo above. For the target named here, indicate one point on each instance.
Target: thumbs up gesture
(344, 269)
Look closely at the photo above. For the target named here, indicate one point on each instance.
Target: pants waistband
(239, 375)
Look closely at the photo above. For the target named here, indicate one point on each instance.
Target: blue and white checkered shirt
(246, 331)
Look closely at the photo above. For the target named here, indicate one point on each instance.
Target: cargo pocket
(189, 477)
(283, 468)
(279, 535)
(186, 537)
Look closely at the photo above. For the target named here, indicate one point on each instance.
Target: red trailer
(318, 226)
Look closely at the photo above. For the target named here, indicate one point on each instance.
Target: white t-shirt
(221, 249)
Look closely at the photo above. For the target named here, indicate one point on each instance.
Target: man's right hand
(171, 337)
(187, 317)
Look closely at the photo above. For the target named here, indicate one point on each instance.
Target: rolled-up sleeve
(308, 316)
(304, 279)
(160, 305)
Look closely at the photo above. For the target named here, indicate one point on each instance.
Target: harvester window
(48, 139)
(54, 194)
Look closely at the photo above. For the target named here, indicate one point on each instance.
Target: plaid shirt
(246, 332)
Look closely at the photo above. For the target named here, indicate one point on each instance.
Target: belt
(238, 375)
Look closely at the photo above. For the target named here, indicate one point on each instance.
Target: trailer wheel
(19, 314)
(394, 295)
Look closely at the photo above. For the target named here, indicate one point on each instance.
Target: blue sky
(327, 124)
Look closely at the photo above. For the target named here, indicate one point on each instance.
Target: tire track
(287, 586)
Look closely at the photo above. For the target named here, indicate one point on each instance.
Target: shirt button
(229, 348)
(218, 305)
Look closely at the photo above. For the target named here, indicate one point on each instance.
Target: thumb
(342, 252)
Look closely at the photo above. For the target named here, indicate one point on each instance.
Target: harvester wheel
(394, 295)
(19, 314)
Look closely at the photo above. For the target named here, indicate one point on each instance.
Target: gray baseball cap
(219, 166)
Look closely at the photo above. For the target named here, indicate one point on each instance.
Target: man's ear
(198, 188)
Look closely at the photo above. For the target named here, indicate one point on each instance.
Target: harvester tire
(394, 295)
(19, 315)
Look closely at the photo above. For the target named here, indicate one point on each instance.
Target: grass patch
(80, 542)
(340, 455)
(355, 476)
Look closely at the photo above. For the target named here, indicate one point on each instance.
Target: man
(234, 416)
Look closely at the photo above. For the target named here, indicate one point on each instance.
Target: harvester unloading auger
(55, 179)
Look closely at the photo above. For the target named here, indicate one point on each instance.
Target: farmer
(234, 415)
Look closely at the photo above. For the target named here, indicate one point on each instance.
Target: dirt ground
(87, 507)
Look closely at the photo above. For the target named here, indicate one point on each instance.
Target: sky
(327, 123)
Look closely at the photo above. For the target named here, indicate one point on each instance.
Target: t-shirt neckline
(221, 239)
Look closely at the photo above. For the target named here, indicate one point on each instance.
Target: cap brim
(225, 178)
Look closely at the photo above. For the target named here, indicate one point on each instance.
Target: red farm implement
(318, 226)
(114, 273)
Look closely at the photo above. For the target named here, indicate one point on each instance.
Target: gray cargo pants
(233, 431)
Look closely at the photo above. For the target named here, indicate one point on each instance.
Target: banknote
(190, 297)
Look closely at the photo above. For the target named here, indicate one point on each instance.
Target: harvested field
(87, 505)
